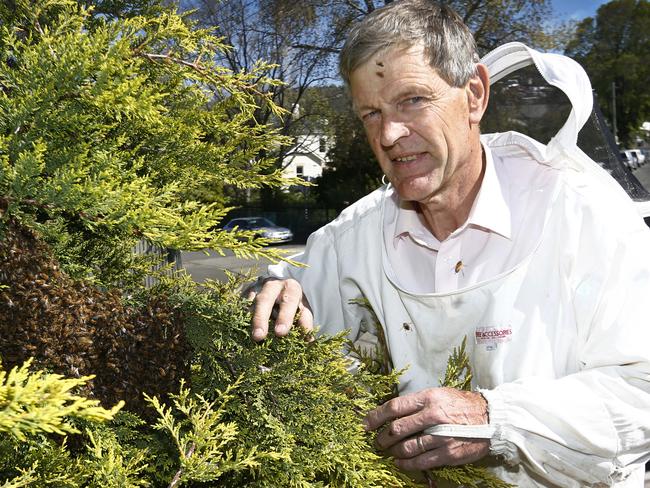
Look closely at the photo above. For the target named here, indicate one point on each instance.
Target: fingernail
(281, 329)
(366, 425)
(257, 335)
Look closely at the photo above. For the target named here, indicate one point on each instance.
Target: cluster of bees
(73, 328)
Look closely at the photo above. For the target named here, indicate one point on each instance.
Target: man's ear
(478, 94)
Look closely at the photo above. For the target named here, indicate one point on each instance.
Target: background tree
(109, 136)
(302, 38)
(352, 170)
(495, 22)
(299, 38)
(614, 47)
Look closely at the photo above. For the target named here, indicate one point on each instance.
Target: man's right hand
(287, 296)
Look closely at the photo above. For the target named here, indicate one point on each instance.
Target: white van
(629, 160)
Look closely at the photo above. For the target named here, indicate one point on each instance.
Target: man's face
(421, 129)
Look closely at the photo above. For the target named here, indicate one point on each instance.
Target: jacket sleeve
(591, 428)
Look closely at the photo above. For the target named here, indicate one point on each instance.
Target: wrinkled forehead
(389, 58)
(388, 73)
(398, 46)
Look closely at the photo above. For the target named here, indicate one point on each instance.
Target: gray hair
(447, 41)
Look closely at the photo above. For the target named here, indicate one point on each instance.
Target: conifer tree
(111, 129)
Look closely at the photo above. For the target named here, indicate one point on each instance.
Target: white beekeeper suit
(559, 342)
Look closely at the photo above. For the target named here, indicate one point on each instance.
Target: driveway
(211, 265)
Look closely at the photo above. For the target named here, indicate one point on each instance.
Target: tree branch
(311, 47)
(177, 477)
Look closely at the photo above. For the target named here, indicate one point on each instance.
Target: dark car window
(235, 223)
(261, 222)
(244, 224)
(249, 223)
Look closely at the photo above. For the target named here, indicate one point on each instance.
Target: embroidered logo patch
(491, 337)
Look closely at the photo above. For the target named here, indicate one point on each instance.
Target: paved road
(202, 266)
(643, 175)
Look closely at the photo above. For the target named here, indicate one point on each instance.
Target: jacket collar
(490, 211)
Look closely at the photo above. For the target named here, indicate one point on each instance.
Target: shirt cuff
(500, 447)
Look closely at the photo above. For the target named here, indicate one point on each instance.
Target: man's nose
(392, 130)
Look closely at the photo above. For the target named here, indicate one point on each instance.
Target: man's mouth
(405, 159)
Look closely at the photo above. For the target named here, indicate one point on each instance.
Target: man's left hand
(407, 416)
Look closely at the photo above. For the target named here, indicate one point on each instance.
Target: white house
(645, 127)
(307, 158)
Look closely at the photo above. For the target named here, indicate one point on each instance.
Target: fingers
(287, 295)
(251, 293)
(394, 409)
(402, 428)
(442, 451)
(438, 406)
(407, 416)
(306, 319)
(415, 446)
(288, 301)
(263, 304)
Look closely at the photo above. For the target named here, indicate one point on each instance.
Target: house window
(321, 145)
(300, 170)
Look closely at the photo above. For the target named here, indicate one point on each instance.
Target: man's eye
(414, 100)
(368, 116)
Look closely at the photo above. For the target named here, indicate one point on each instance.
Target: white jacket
(559, 343)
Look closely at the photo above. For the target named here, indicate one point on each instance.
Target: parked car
(263, 227)
(629, 160)
(640, 157)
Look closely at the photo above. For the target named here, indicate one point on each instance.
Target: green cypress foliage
(283, 413)
(296, 398)
(112, 130)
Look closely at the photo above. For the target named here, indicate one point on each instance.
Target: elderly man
(542, 266)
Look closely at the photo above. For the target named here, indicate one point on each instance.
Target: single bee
(459, 267)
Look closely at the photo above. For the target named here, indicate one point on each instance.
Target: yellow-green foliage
(207, 445)
(294, 397)
(32, 403)
(36, 408)
(111, 130)
(458, 373)
(283, 413)
(108, 465)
